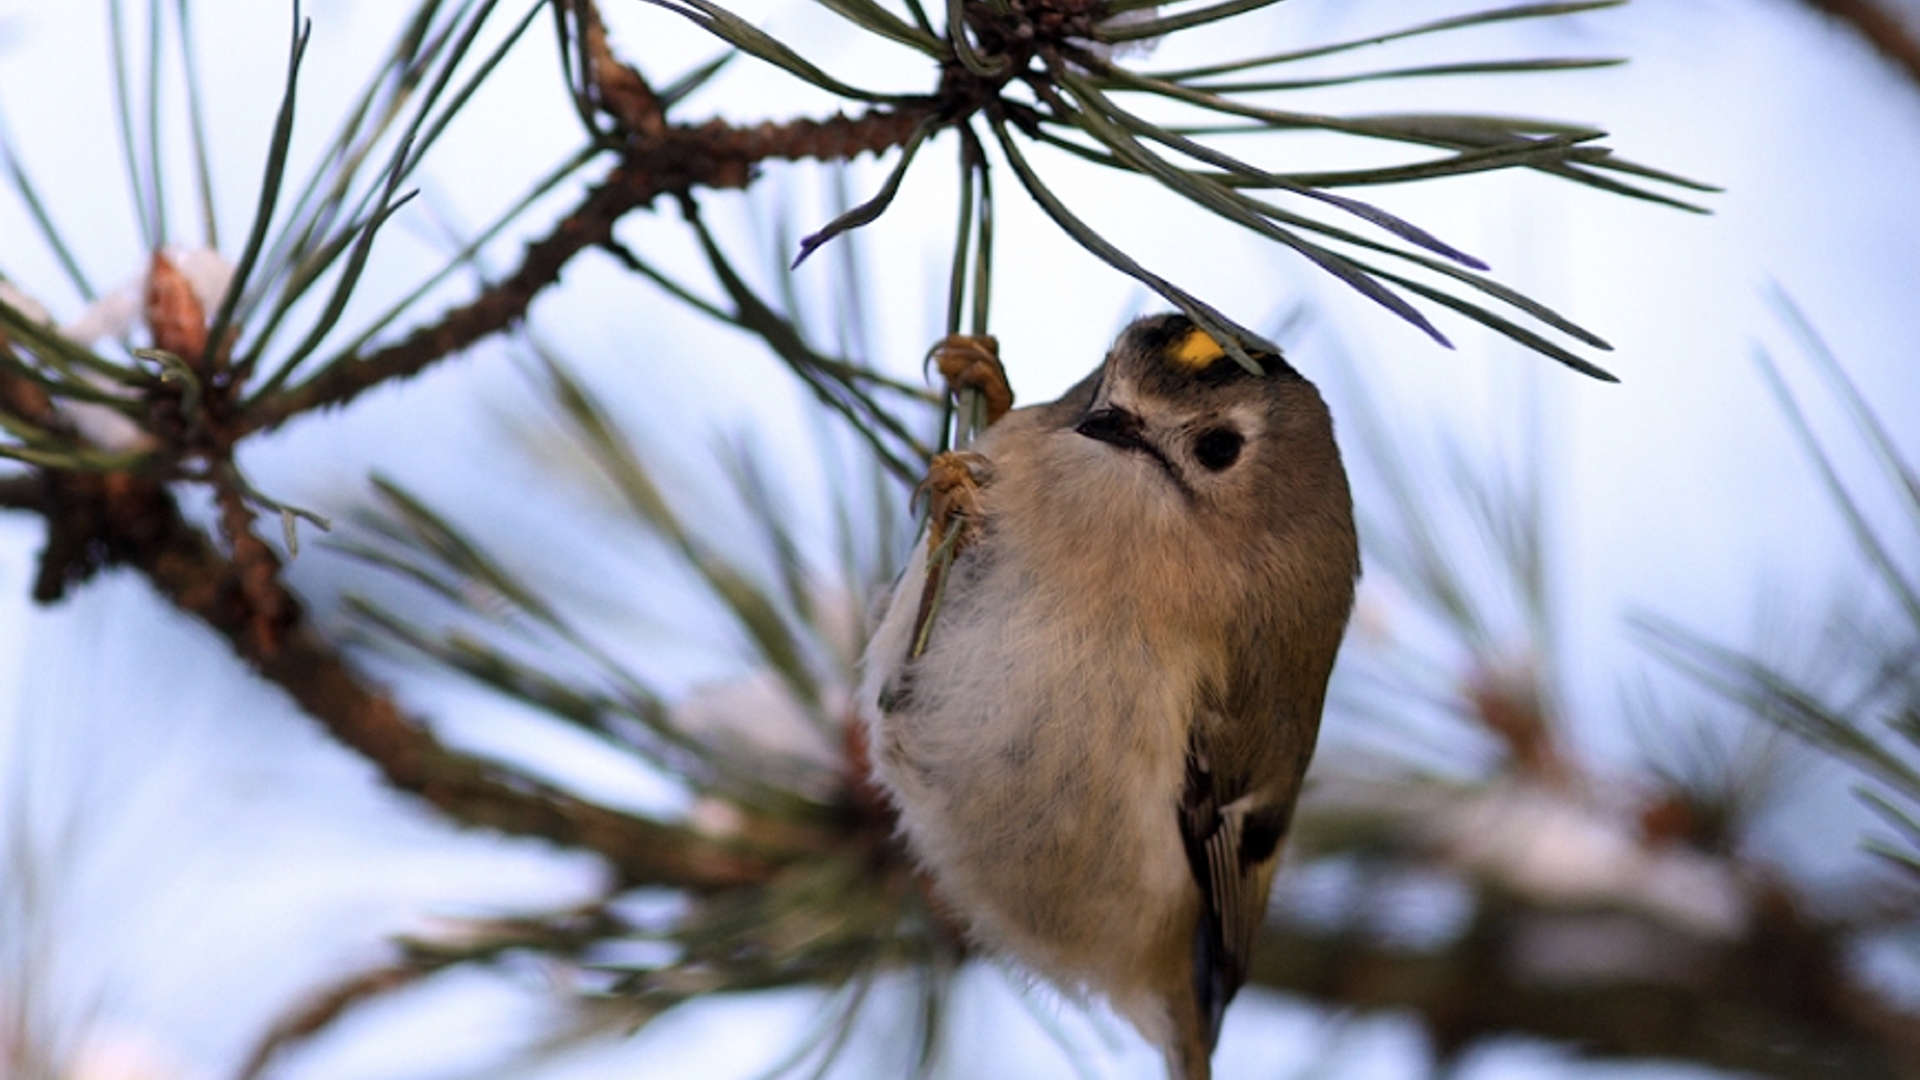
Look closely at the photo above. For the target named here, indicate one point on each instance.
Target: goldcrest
(1095, 715)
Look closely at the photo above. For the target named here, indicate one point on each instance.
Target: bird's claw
(972, 362)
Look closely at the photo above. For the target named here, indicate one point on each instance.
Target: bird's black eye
(1218, 448)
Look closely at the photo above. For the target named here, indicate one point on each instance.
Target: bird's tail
(1189, 1050)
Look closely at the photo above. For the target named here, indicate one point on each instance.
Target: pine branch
(712, 155)
(1778, 1001)
(137, 523)
(567, 933)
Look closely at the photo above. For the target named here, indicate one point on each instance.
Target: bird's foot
(972, 362)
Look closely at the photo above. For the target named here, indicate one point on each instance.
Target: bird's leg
(971, 365)
(954, 523)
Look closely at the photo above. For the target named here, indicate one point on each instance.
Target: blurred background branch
(1889, 28)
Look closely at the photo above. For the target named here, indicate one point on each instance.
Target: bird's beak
(1116, 427)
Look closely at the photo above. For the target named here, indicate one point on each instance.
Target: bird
(1095, 689)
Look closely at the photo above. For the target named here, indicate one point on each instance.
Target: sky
(265, 859)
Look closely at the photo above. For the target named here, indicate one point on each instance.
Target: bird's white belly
(1038, 769)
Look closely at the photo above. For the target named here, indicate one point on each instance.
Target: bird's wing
(1233, 814)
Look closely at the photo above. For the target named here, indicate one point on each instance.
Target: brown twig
(565, 933)
(619, 90)
(323, 1009)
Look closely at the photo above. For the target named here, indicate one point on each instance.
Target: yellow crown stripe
(1197, 350)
